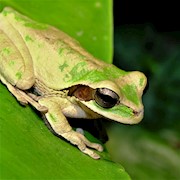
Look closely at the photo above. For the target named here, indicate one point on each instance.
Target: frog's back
(56, 57)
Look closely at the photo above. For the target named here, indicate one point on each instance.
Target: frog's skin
(43, 66)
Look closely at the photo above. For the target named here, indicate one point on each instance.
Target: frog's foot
(33, 96)
(14, 91)
(61, 127)
(22, 97)
(31, 101)
(82, 143)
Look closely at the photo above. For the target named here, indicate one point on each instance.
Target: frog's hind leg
(14, 91)
(16, 65)
(22, 97)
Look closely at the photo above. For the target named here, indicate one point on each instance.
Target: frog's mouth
(105, 102)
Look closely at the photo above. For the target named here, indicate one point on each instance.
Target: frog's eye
(106, 98)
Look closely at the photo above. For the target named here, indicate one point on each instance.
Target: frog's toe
(20, 98)
(87, 151)
(99, 148)
(90, 144)
(42, 109)
(15, 91)
(22, 101)
(91, 153)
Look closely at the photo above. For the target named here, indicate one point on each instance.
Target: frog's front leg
(60, 125)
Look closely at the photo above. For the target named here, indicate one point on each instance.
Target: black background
(163, 15)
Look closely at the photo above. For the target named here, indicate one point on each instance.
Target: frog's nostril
(137, 113)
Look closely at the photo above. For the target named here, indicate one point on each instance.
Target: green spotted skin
(51, 50)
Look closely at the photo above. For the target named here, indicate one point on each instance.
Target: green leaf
(88, 21)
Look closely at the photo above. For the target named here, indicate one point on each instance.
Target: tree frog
(48, 69)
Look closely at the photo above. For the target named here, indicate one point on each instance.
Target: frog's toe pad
(90, 153)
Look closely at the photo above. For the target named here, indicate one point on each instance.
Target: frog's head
(116, 97)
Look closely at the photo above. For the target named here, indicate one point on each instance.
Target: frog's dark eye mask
(104, 97)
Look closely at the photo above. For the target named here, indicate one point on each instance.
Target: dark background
(147, 39)
(164, 15)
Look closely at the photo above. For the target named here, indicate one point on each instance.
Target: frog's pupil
(104, 99)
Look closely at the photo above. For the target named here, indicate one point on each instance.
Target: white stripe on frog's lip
(134, 117)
